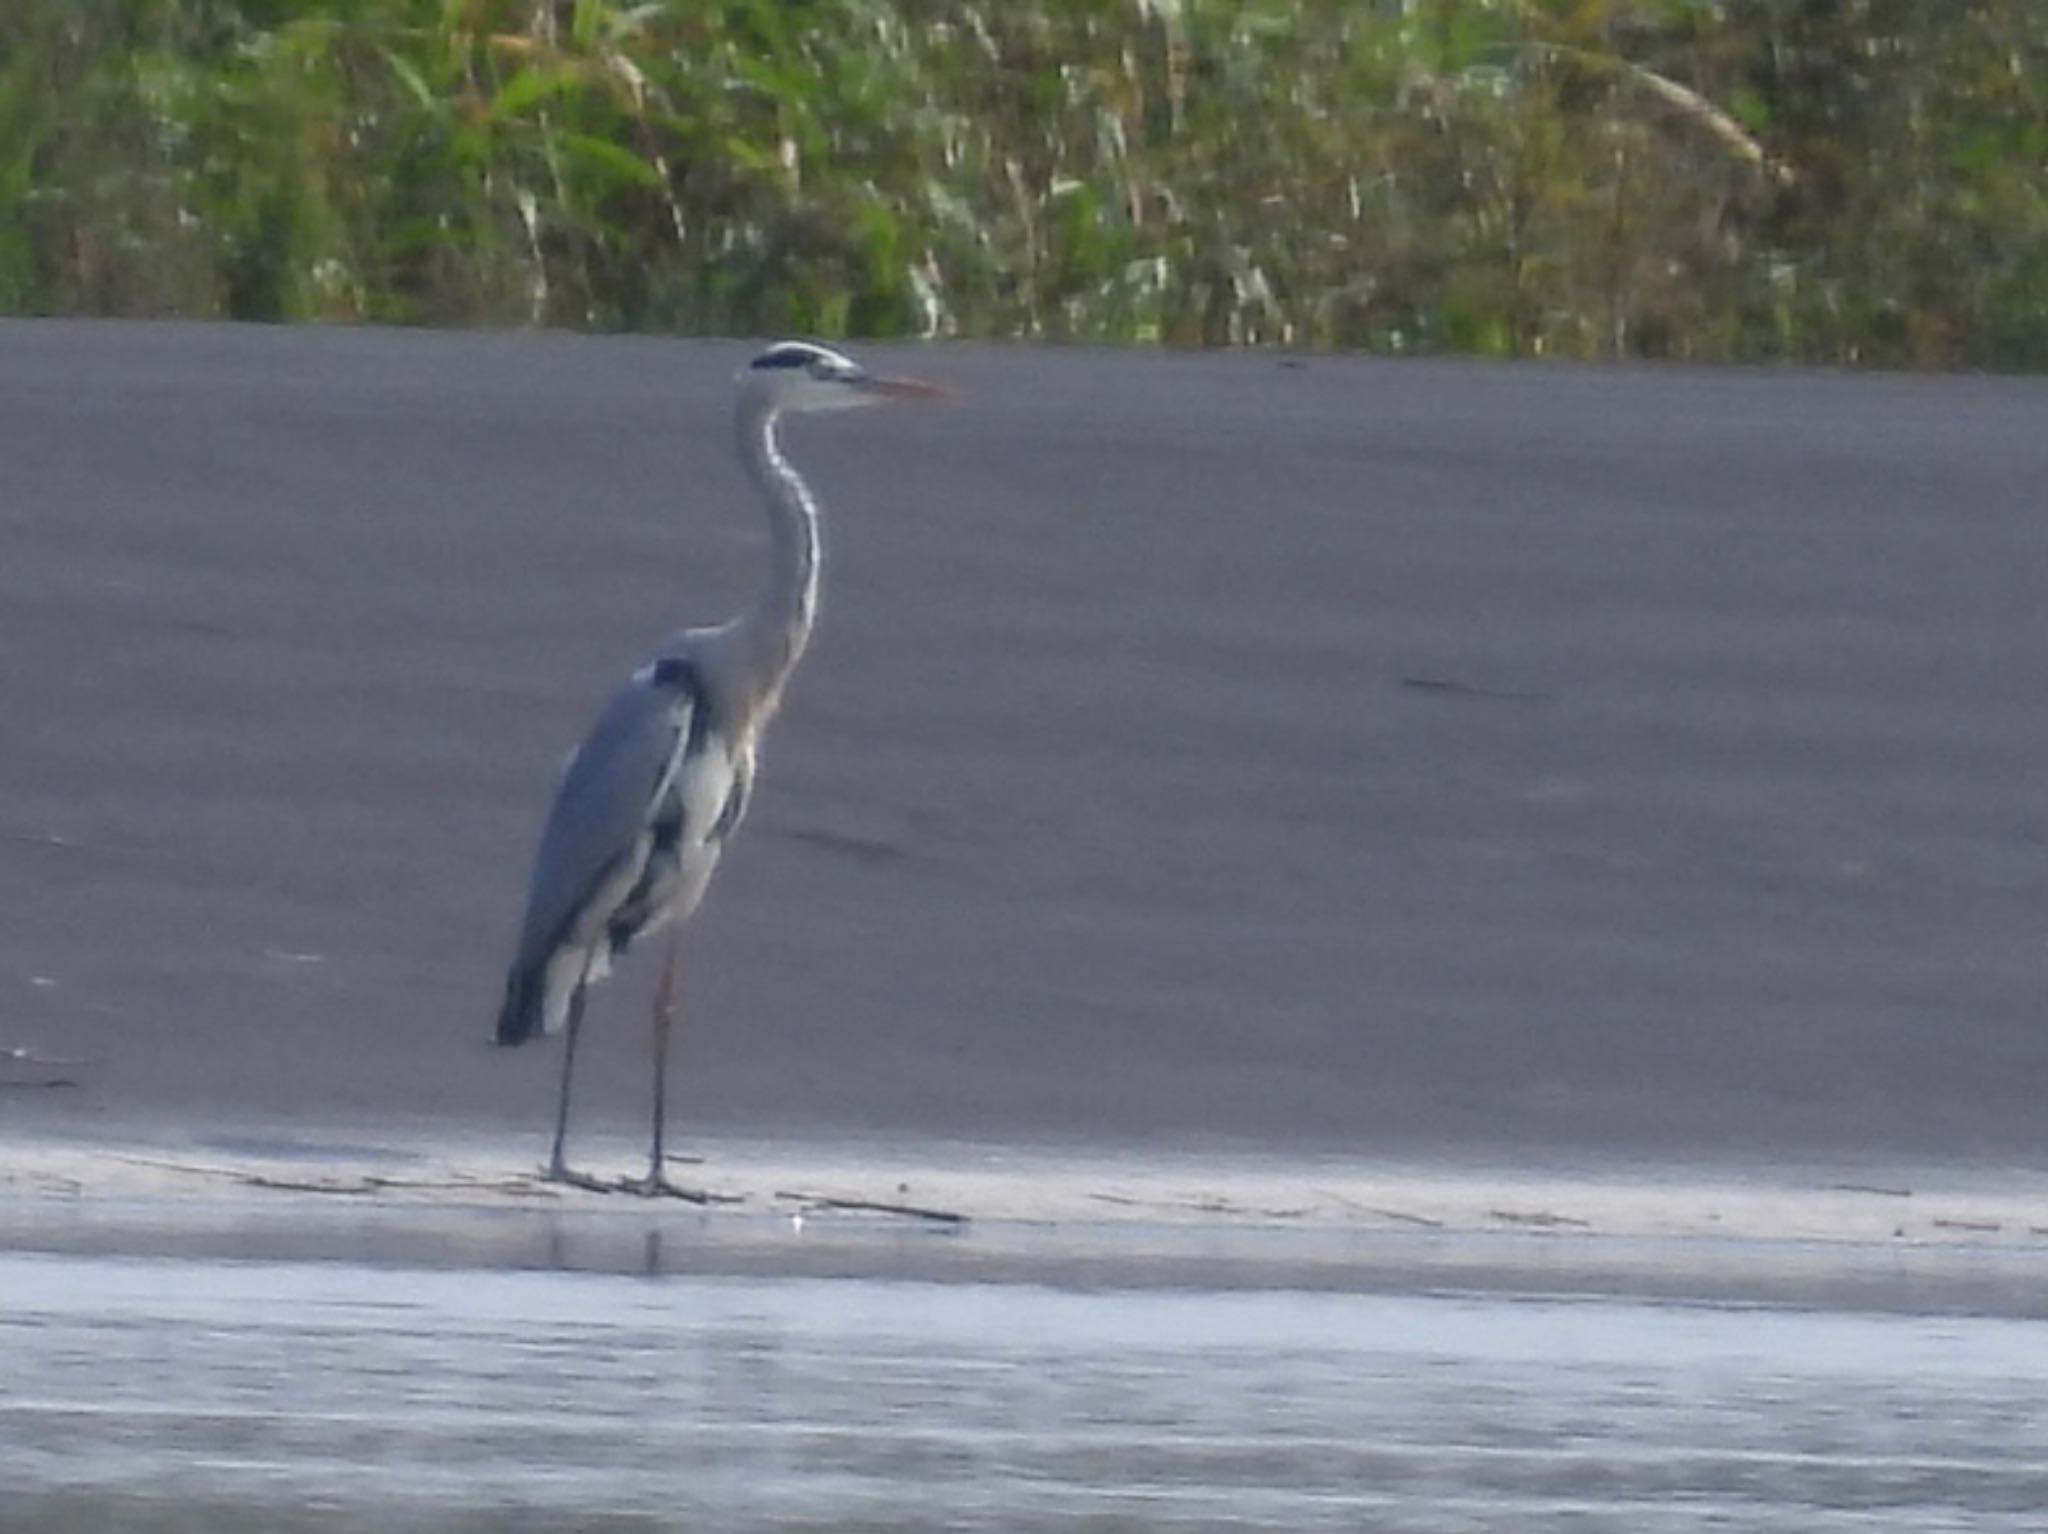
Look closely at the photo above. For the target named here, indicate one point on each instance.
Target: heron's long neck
(775, 631)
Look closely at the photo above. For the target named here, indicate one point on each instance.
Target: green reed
(1857, 182)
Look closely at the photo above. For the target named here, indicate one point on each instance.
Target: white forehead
(798, 355)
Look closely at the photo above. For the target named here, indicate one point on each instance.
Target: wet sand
(1227, 752)
(1918, 1242)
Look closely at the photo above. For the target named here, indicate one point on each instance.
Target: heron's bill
(903, 388)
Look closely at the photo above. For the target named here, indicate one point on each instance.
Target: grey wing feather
(602, 811)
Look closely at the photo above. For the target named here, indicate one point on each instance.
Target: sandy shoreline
(1915, 1239)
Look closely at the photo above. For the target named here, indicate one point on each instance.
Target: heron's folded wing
(598, 828)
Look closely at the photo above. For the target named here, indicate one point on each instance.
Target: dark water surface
(173, 1395)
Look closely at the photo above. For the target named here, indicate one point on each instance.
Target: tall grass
(1862, 181)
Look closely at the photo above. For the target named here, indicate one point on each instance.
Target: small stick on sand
(290, 1185)
(1400, 1216)
(256, 1179)
(1457, 689)
(875, 1206)
(367, 1183)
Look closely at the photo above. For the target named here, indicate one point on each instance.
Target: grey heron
(649, 799)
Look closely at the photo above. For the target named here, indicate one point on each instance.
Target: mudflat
(1371, 756)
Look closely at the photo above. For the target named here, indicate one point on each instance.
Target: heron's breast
(705, 786)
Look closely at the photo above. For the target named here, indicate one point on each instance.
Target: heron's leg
(558, 1166)
(656, 1180)
(664, 1020)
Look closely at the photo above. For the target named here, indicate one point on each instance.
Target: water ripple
(286, 1398)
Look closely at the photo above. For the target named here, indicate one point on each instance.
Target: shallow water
(170, 1395)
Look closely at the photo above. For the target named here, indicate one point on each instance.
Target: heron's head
(803, 376)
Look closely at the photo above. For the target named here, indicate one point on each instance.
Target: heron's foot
(569, 1177)
(657, 1185)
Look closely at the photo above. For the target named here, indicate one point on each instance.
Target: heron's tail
(541, 993)
(524, 1014)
